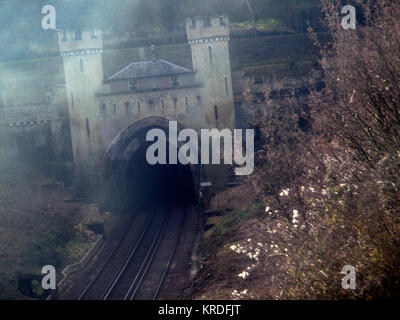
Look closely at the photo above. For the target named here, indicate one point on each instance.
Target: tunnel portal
(158, 184)
(143, 185)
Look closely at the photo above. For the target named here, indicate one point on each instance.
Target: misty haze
(199, 150)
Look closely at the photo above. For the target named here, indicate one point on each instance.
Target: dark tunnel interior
(157, 185)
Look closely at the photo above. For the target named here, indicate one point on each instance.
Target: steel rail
(147, 260)
(121, 270)
(110, 256)
(171, 256)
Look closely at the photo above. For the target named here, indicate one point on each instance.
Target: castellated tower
(83, 68)
(211, 61)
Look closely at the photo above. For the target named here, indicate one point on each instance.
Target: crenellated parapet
(217, 29)
(80, 42)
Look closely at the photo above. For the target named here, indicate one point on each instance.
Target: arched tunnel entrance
(157, 229)
(141, 184)
(161, 185)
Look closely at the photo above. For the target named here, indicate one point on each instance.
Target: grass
(263, 25)
(221, 226)
(232, 220)
(77, 247)
(214, 254)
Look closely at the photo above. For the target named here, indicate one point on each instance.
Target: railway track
(137, 266)
(156, 268)
(104, 273)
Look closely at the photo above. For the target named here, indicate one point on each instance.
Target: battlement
(216, 29)
(80, 42)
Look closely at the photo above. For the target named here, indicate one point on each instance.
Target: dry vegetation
(37, 227)
(328, 184)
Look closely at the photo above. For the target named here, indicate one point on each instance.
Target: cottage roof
(147, 69)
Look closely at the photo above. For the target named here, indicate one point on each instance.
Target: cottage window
(133, 85)
(175, 82)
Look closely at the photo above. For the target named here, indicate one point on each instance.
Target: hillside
(38, 76)
(45, 228)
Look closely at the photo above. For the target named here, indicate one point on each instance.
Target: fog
(59, 115)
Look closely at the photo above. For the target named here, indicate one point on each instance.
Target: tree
(342, 171)
(251, 13)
